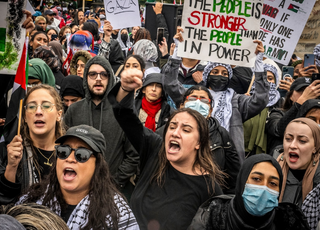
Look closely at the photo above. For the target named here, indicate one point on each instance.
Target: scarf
(222, 108)
(151, 108)
(307, 181)
(316, 52)
(311, 207)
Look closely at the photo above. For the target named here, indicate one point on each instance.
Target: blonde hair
(34, 216)
(40, 18)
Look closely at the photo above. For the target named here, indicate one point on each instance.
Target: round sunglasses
(81, 154)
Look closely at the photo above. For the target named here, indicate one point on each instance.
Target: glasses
(94, 75)
(81, 155)
(79, 66)
(202, 99)
(45, 107)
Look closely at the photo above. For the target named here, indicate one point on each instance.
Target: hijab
(222, 108)
(307, 181)
(243, 175)
(57, 48)
(40, 70)
(274, 94)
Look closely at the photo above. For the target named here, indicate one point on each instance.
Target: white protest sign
(122, 13)
(30, 8)
(221, 30)
(281, 25)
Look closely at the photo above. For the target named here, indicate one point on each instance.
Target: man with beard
(95, 110)
(52, 23)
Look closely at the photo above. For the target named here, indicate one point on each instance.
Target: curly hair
(203, 157)
(101, 194)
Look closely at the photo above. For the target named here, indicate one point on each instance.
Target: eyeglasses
(79, 66)
(81, 155)
(45, 107)
(202, 99)
(94, 75)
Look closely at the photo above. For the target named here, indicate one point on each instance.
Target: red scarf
(151, 108)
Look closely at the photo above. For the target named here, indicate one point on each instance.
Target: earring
(314, 163)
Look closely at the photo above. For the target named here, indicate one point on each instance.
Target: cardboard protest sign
(122, 13)
(221, 30)
(281, 25)
(12, 36)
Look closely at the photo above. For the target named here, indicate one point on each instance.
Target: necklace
(46, 163)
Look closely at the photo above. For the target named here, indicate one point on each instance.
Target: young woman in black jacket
(177, 171)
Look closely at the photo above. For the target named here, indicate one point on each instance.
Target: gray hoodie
(121, 156)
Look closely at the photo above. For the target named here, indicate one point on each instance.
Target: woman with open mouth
(31, 155)
(79, 188)
(177, 170)
(300, 160)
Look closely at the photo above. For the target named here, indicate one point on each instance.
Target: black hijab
(243, 175)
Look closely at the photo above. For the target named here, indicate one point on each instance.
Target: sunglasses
(82, 155)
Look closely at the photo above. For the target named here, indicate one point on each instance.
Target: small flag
(19, 91)
(293, 8)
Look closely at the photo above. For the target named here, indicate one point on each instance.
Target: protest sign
(221, 30)
(12, 36)
(281, 25)
(310, 36)
(122, 13)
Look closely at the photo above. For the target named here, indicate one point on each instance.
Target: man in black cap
(52, 23)
(95, 110)
(71, 90)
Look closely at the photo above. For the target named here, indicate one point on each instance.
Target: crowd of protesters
(119, 132)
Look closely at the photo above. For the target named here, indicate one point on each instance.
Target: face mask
(259, 200)
(218, 82)
(124, 38)
(199, 106)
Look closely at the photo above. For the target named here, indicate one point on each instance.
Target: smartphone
(308, 60)
(315, 76)
(160, 35)
(54, 37)
(287, 71)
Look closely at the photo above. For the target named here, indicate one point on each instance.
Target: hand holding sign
(107, 29)
(260, 48)
(179, 34)
(28, 23)
(157, 8)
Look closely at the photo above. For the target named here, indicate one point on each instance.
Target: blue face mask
(259, 200)
(199, 106)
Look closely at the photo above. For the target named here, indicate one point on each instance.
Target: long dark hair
(138, 58)
(101, 195)
(203, 157)
(142, 33)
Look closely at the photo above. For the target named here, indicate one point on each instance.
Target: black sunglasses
(82, 155)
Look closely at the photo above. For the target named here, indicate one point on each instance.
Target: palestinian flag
(293, 8)
(19, 91)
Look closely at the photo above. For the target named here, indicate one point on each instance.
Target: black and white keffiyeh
(274, 94)
(222, 107)
(79, 216)
(316, 52)
(311, 207)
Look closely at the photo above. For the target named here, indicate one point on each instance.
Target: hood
(153, 78)
(99, 60)
(72, 85)
(213, 124)
(73, 62)
(307, 106)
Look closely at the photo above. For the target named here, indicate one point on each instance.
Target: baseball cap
(49, 12)
(299, 83)
(91, 136)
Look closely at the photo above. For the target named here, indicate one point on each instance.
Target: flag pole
(250, 86)
(20, 112)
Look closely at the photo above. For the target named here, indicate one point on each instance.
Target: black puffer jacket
(213, 215)
(224, 153)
